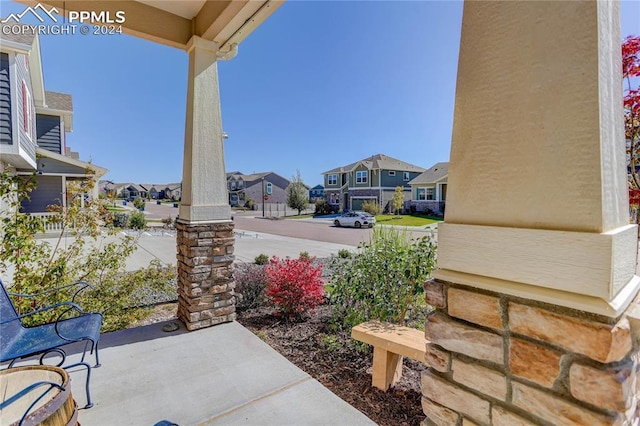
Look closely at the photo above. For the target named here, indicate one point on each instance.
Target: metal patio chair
(18, 341)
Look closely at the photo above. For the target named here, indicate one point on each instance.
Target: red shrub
(294, 285)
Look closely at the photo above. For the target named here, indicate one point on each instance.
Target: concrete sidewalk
(222, 375)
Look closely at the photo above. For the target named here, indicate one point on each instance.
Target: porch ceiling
(174, 22)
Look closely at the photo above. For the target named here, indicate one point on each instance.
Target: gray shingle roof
(433, 174)
(379, 162)
(59, 101)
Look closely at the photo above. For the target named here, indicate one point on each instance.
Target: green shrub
(304, 255)
(138, 203)
(322, 208)
(261, 259)
(137, 220)
(120, 220)
(384, 279)
(249, 203)
(344, 254)
(251, 281)
(371, 207)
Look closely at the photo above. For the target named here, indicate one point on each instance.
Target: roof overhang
(98, 171)
(175, 22)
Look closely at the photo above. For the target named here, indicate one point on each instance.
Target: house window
(233, 185)
(269, 188)
(392, 172)
(430, 193)
(362, 176)
(26, 110)
(240, 184)
(332, 180)
(421, 194)
(406, 177)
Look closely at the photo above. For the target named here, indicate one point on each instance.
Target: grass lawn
(116, 209)
(406, 220)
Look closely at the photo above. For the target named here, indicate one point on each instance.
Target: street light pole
(262, 196)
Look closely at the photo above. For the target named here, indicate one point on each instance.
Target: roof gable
(435, 173)
(379, 162)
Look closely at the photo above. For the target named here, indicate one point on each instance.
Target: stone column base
(495, 359)
(205, 281)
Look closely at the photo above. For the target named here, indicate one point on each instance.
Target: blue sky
(319, 85)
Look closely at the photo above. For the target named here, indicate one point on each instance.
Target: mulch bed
(335, 362)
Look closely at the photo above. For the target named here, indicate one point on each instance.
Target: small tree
(631, 71)
(398, 200)
(297, 194)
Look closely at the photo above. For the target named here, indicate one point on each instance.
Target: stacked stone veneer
(205, 281)
(499, 360)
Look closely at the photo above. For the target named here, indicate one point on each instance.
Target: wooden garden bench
(390, 343)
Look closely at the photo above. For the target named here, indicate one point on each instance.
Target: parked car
(356, 219)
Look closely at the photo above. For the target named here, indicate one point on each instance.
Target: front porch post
(205, 231)
(536, 282)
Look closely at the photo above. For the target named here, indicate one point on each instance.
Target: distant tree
(630, 75)
(297, 194)
(398, 200)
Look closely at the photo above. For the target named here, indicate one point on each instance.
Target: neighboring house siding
(48, 192)
(5, 102)
(48, 131)
(397, 180)
(254, 192)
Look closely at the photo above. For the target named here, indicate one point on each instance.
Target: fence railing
(50, 225)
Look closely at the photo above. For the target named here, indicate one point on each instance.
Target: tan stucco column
(537, 204)
(204, 190)
(534, 303)
(204, 230)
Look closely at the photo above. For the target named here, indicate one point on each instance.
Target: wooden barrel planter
(49, 401)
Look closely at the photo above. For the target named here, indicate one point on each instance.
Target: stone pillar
(205, 231)
(534, 320)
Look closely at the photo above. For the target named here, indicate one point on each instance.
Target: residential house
(429, 190)
(173, 191)
(153, 191)
(33, 126)
(129, 191)
(371, 179)
(267, 186)
(316, 193)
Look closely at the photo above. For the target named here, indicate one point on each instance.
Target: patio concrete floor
(223, 375)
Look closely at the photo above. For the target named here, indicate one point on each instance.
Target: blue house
(316, 193)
